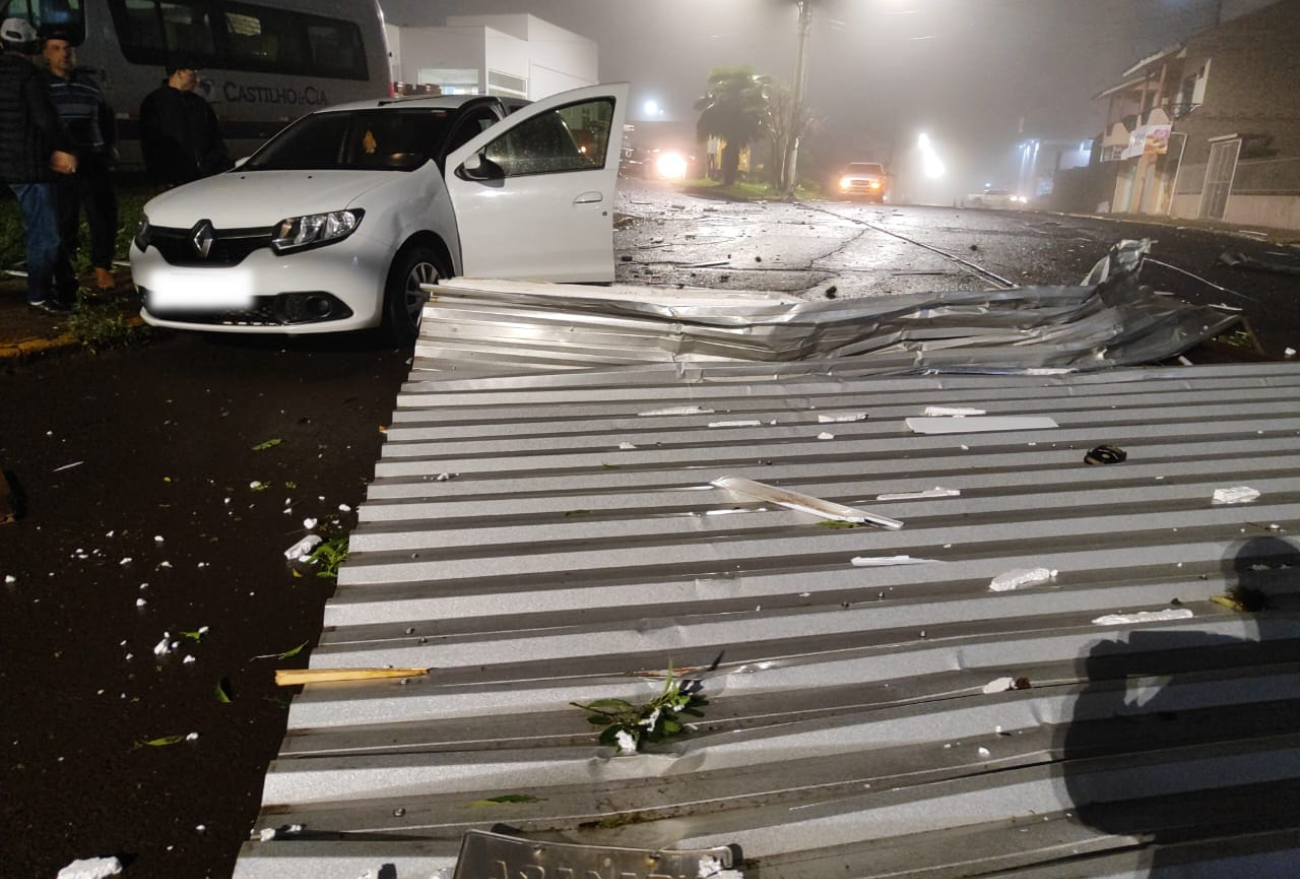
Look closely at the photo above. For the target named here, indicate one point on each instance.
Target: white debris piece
(919, 495)
(125, 561)
(309, 523)
(1289, 352)
(841, 417)
(677, 410)
(1018, 577)
(140, 602)
(444, 477)
(803, 503)
(344, 508)
(267, 834)
(1241, 494)
(711, 868)
(303, 548)
(825, 436)
(10, 579)
(999, 685)
(187, 660)
(92, 868)
(163, 647)
(626, 744)
(951, 411)
(192, 737)
(884, 561)
(627, 446)
(1144, 616)
(255, 484)
(68, 466)
(735, 424)
(985, 753)
(157, 538)
(980, 424)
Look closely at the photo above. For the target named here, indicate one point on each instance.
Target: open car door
(534, 194)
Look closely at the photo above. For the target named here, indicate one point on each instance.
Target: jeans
(49, 271)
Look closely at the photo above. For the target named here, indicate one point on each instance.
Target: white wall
(438, 47)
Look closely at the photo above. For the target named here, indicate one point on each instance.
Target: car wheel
(404, 300)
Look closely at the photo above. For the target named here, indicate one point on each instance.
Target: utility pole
(796, 108)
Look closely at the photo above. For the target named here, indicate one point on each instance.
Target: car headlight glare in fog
(846, 182)
(296, 233)
(671, 166)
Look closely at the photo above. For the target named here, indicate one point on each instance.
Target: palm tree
(733, 110)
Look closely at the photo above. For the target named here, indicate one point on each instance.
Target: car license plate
(485, 855)
(208, 291)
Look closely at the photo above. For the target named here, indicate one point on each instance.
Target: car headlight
(875, 184)
(142, 233)
(314, 230)
(846, 182)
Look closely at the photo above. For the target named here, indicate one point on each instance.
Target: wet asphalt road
(142, 521)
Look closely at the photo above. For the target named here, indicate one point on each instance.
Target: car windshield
(381, 139)
(864, 168)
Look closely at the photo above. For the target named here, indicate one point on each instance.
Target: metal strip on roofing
(545, 539)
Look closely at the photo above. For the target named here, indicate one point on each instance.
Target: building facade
(1209, 128)
(518, 56)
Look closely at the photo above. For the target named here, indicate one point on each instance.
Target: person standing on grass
(178, 130)
(34, 151)
(88, 120)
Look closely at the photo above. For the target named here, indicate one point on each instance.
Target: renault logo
(203, 238)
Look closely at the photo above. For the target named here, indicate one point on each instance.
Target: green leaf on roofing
(162, 742)
(223, 690)
(293, 652)
(195, 636)
(269, 444)
(506, 798)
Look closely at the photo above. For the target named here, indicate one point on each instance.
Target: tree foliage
(733, 109)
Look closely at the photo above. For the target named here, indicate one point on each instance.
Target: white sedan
(336, 222)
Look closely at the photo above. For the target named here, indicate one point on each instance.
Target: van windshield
(49, 16)
(379, 139)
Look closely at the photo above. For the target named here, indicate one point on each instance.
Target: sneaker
(51, 306)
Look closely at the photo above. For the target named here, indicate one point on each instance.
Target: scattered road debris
(951, 411)
(735, 424)
(920, 495)
(1018, 577)
(803, 503)
(8, 502)
(830, 418)
(1144, 616)
(68, 466)
(92, 868)
(1106, 454)
(888, 560)
(1002, 685)
(1241, 494)
(292, 677)
(676, 410)
(1239, 260)
(980, 424)
(301, 550)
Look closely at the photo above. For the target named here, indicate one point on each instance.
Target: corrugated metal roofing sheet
(541, 540)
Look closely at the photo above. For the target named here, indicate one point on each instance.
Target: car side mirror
(480, 167)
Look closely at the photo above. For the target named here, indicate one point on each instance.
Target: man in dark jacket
(33, 150)
(88, 120)
(179, 131)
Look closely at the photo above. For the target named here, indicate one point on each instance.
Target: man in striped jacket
(33, 153)
(89, 122)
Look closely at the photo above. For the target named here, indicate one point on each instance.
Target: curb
(25, 348)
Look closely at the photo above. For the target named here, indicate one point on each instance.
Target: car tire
(403, 299)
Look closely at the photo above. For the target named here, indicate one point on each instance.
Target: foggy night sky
(878, 71)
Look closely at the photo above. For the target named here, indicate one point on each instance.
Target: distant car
(862, 180)
(994, 199)
(339, 220)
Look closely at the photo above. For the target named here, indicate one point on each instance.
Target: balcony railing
(1178, 111)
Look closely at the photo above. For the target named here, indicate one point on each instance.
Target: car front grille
(229, 246)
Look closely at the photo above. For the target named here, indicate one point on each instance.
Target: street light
(931, 165)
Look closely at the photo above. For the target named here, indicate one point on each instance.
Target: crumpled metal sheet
(1109, 320)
